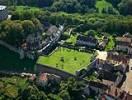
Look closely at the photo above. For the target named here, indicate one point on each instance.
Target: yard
(67, 60)
(10, 61)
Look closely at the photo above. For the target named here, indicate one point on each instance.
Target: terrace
(66, 59)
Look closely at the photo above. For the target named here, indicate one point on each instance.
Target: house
(124, 44)
(114, 93)
(88, 41)
(42, 80)
(103, 65)
(103, 43)
(3, 12)
(120, 61)
(108, 73)
(110, 78)
(117, 58)
(94, 88)
(45, 78)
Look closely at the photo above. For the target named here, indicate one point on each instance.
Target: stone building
(124, 44)
(88, 41)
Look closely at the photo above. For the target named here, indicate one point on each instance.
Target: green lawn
(72, 40)
(24, 8)
(10, 61)
(67, 60)
(101, 4)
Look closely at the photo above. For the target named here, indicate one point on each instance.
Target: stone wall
(16, 50)
(9, 46)
(47, 69)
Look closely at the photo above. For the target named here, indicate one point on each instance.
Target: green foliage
(114, 2)
(125, 7)
(15, 32)
(72, 89)
(11, 61)
(64, 59)
(111, 44)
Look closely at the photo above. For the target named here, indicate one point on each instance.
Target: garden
(65, 59)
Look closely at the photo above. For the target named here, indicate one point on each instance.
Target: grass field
(67, 60)
(10, 61)
(101, 4)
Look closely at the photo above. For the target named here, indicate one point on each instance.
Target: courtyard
(66, 59)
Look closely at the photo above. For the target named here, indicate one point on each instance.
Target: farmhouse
(88, 41)
(3, 12)
(124, 44)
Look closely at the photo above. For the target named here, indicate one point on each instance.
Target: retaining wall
(47, 69)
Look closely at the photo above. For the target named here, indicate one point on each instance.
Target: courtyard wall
(48, 69)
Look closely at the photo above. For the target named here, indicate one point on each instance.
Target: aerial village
(61, 53)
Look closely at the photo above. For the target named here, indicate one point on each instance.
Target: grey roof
(2, 7)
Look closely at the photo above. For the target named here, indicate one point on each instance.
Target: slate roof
(105, 65)
(87, 39)
(2, 7)
(107, 75)
(126, 41)
(98, 85)
(116, 57)
(51, 30)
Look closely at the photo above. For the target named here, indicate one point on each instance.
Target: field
(67, 60)
(101, 4)
(10, 61)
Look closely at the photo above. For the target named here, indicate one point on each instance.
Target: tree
(125, 7)
(28, 27)
(45, 3)
(64, 94)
